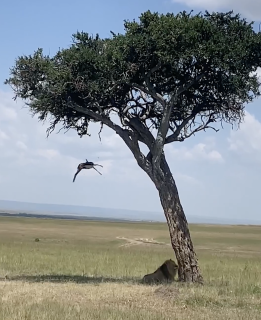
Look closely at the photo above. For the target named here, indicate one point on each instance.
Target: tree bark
(178, 227)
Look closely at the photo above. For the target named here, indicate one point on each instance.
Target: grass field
(91, 270)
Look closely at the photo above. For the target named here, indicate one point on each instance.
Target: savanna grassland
(91, 270)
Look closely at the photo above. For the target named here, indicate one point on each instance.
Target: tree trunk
(178, 227)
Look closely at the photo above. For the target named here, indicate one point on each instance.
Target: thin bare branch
(174, 137)
(99, 133)
(95, 116)
(158, 97)
(202, 127)
(185, 125)
(127, 108)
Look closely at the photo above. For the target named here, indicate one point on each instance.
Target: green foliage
(213, 56)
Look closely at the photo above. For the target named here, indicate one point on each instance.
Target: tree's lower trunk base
(198, 279)
(188, 269)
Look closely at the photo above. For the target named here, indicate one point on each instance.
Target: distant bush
(36, 239)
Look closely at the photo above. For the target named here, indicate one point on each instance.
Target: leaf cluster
(200, 66)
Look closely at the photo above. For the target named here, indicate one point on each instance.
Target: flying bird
(86, 165)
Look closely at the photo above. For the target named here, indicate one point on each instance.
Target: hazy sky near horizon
(217, 174)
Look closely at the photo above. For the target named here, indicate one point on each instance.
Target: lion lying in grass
(165, 273)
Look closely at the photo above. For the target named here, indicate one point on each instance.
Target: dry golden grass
(81, 270)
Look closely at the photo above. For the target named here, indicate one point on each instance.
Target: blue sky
(218, 174)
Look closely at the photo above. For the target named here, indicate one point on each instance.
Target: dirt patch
(140, 241)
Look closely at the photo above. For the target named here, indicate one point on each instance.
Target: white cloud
(3, 137)
(249, 8)
(201, 151)
(8, 114)
(246, 142)
(48, 154)
(21, 145)
(6, 108)
(188, 179)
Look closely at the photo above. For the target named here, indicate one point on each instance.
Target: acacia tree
(166, 78)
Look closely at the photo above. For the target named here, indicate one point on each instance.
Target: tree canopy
(198, 67)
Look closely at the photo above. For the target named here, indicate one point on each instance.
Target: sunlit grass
(79, 270)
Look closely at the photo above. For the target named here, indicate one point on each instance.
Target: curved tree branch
(130, 138)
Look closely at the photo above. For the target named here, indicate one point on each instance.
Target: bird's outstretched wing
(76, 174)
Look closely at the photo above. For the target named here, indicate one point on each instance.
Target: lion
(165, 273)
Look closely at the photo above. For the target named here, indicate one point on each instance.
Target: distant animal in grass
(86, 165)
(165, 273)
